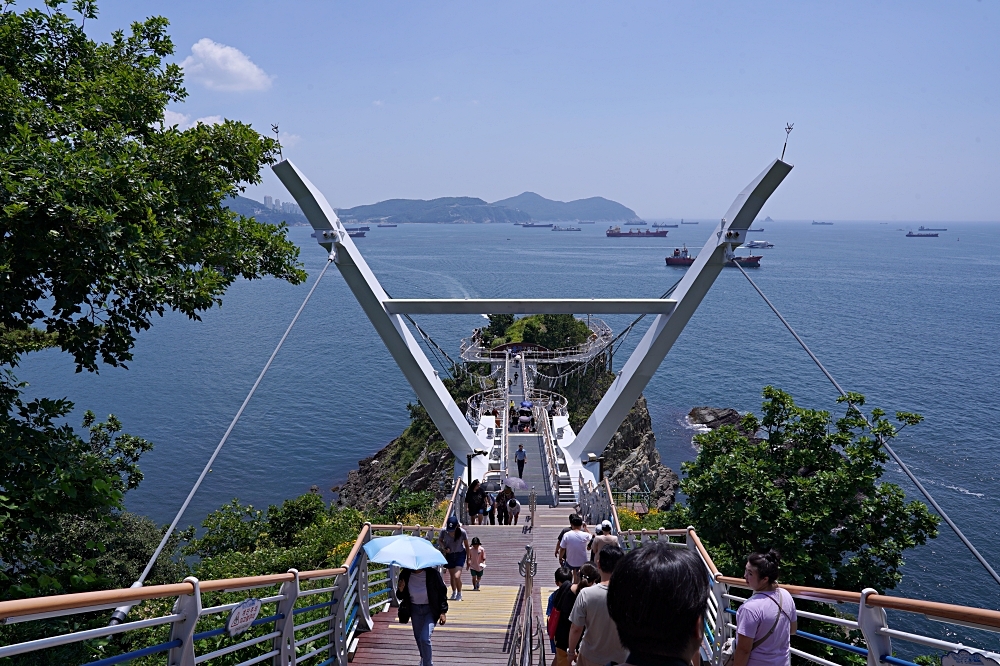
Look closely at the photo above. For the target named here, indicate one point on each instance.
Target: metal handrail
(872, 619)
(346, 610)
(552, 461)
(472, 350)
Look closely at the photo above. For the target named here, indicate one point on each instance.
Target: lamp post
(469, 457)
(591, 458)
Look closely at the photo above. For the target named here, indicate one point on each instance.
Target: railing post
(338, 623)
(189, 606)
(394, 575)
(870, 620)
(721, 624)
(285, 643)
(365, 621)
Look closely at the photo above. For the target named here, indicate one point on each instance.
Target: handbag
(728, 653)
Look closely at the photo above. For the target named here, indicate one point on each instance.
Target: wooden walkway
(480, 627)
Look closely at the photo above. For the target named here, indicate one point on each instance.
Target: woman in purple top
(766, 621)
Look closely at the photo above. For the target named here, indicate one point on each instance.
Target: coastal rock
(379, 478)
(631, 461)
(714, 417)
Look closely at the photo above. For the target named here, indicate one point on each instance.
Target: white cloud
(171, 118)
(378, 102)
(209, 120)
(221, 67)
(183, 120)
(288, 139)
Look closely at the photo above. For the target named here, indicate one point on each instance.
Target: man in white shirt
(573, 546)
(520, 456)
(601, 644)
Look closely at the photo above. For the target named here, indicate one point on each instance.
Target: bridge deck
(481, 626)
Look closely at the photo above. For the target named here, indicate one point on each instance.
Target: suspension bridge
(348, 613)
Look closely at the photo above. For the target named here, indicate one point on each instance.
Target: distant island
(526, 207)
(594, 209)
(453, 210)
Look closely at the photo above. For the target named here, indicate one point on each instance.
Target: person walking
(564, 603)
(491, 508)
(602, 539)
(477, 562)
(520, 457)
(591, 620)
(513, 509)
(422, 601)
(573, 546)
(563, 576)
(455, 542)
(503, 516)
(657, 600)
(475, 500)
(766, 621)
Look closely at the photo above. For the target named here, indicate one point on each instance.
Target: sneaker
(458, 597)
(453, 596)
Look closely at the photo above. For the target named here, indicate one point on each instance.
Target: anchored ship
(616, 232)
(387, 224)
(758, 244)
(664, 225)
(681, 257)
(535, 225)
(558, 228)
(635, 223)
(921, 235)
(929, 229)
(825, 224)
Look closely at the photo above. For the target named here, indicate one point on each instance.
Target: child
(477, 562)
(563, 576)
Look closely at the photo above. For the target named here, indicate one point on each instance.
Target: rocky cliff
(631, 461)
(714, 417)
(419, 460)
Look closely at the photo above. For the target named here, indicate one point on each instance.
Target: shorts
(455, 560)
(476, 574)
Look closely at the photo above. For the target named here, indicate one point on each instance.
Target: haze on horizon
(669, 109)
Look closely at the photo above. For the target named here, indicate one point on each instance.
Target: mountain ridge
(591, 209)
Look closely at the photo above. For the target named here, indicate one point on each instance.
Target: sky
(670, 108)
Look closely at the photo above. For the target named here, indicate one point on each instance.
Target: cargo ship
(616, 232)
(758, 244)
(681, 257)
(558, 228)
(929, 229)
(362, 228)
(761, 229)
(663, 225)
(387, 224)
(635, 223)
(683, 222)
(824, 224)
(357, 233)
(921, 235)
(535, 225)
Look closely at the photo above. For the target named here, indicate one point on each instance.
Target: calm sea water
(910, 322)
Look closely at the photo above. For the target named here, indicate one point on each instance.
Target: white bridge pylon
(387, 314)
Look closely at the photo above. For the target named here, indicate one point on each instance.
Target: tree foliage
(810, 487)
(108, 217)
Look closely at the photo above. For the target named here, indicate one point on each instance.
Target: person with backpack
(563, 577)
(423, 601)
(563, 604)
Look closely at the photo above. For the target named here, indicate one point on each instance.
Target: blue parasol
(405, 551)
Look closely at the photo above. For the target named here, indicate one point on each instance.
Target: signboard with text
(241, 617)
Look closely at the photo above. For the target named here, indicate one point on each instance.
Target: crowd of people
(503, 508)
(643, 608)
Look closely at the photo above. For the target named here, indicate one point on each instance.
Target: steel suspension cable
(895, 457)
(120, 613)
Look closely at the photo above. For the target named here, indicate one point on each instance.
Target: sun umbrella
(405, 551)
(515, 483)
(526, 404)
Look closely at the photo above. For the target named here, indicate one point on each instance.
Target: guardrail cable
(888, 449)
(120, 613)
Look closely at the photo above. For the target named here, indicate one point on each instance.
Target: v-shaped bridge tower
(671, 315)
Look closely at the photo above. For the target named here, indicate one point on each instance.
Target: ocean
(909, 322)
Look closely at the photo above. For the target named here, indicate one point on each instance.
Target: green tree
(796, 481)
(107, 218)
(499, 323)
